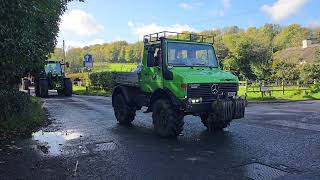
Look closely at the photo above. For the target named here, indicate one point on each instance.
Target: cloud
(81, 23)
(221, 12)
(226, 4)
(80, 44)
(282, 9)
(186, 6)
(130, 24)
(143, 29)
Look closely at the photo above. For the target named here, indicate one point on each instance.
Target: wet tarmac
(84, 141)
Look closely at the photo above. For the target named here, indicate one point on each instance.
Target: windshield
(53, 68)
(185, 54)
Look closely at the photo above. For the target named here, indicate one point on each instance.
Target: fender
(127, 92)
(164, 93)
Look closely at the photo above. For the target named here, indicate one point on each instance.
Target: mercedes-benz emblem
(215, 89)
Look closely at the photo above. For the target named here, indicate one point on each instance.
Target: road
(84, 141)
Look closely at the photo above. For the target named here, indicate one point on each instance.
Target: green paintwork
(151, 78)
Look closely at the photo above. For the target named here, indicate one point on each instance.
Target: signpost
(88, 61)
(88, 64)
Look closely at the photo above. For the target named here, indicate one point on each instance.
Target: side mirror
(150, 58)
(67, 64)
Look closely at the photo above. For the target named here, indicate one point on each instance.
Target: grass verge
(294, 95)
(24, 123)
(81, 90)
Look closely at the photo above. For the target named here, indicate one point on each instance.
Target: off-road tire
(43, 88)
(25, 84)
(124, 114)
(36, 88)
(167, 121)
(213, 123)
(60, 92)
(67, 87)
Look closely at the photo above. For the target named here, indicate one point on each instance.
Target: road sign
(88, 61)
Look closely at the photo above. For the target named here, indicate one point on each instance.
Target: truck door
(151, 77)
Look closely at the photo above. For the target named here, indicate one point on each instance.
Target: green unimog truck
(179, 75)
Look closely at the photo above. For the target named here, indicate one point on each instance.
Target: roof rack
(179, 37)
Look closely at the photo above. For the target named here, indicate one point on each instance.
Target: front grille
(210, 91)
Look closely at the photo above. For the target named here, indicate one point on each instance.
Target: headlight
(195, 100)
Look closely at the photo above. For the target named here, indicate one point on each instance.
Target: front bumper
(225, 108)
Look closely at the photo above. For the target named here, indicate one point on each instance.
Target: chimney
(306, 43)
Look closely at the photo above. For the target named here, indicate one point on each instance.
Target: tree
(310, 72)
(249, 54)
(284, 70)
(291, 36)
(28, 32)
(57, 54)
(75, 58)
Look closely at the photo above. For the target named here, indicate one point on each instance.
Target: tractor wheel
(36, 88)
(67, 87)
(213, 123)
(167, 121)
(124, 114)
(60, 92)
(43, 88)
(25, 85)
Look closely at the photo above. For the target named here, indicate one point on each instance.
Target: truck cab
(180, 75)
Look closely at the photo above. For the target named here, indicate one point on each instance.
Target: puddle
(51, 142)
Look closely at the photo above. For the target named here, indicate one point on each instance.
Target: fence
(267, 87)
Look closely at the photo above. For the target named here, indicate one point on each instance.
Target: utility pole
(64, 55)
(64, 52)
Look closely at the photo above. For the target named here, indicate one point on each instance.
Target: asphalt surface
(84, 141)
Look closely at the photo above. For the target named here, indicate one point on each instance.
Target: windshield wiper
(199, 64)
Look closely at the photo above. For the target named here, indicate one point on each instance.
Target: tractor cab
(53, 68)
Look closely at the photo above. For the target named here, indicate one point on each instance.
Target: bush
(315, 88)
(102, 80)
(310, 72)
(82, 76)
(13, 102)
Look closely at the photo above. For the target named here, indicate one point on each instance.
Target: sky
(103, 21)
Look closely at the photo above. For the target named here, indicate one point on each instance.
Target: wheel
(124, 114)
(67, 87)
(212, 122)
(36, 88)
(25, 84)
(43, 88)
(167, 121)
(60, 92)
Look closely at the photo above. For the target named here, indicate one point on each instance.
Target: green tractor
(53, 78)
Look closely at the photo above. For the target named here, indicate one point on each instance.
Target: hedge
(102, 80)
(13, 102)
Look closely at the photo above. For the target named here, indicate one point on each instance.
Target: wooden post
(246, 91)
(282, 83)
(261, 89)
